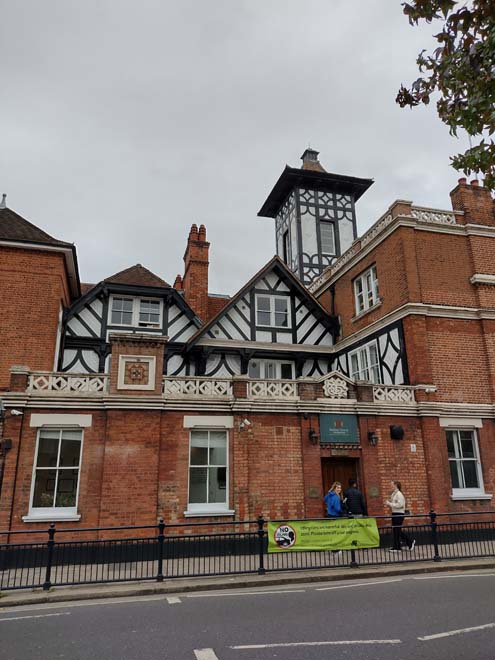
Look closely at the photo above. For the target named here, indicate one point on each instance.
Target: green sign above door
(339, 429)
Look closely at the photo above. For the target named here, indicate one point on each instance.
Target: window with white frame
(464, 462)
(272, 311)
(208, 471)
(327, 237)
(365, 363)
(366, 290)
(122, 311)
(142, 312)
(55, 483)
(271, 369)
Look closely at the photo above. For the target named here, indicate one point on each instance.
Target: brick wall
(33, 285)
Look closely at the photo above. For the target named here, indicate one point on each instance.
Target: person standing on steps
(397, 504)
(355, 500)
(334, 504)
(333, 500)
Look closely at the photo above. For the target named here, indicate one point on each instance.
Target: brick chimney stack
(476, 202)
(195, 280)
(178, 283)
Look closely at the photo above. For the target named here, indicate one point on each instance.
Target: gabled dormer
(134, 300)
(272, 328)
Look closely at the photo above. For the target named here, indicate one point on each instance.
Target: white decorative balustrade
(393, 394)
(65, 383)
(283, 390)
(436, 216)
(184, 386)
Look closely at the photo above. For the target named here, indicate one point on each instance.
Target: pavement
(9, 599)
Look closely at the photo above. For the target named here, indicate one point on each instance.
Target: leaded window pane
(149, 311)
(263, 303)
(327, 238)
(263, 318)
(281, 320)
(254, 370)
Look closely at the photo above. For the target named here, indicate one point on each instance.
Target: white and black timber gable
(272, 318)
(114, 306)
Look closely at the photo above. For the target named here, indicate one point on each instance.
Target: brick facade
(435, 277)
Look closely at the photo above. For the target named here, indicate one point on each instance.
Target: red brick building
(346, 355)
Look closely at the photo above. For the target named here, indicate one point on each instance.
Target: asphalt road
(441, 617)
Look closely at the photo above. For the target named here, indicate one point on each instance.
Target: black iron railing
(58, 557)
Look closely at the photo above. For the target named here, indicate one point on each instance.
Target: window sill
(56, 517)
(359, 316)
(203, 514)
(483, 496)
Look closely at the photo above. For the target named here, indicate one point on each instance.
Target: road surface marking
(326, 643)
(205, 654)
(246, 593)
(34, 616)
(359, 584)
(445, 577)
(173, 600)
(456, 632)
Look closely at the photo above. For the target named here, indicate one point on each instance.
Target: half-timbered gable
(379, 357)
(273, 328)
(132, 301)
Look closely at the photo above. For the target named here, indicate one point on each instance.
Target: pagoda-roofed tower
(315, 219)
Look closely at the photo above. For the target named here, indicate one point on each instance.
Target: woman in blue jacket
(333, 500)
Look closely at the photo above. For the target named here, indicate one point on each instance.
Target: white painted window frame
(361, 353)
(264, 364)
(366, 293)
(136, 308)
(330, 223)
(272, 299)
(216, 508)
(52, 514)
(466, 493)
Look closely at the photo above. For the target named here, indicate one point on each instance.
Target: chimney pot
(202, 233)
(462, 181)
(475, 182)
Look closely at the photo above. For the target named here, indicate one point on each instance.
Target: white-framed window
(464, 462)
(272, 311)
(365, 363)
(138, 312)
(327, 237)
(208, 471)
(366, 290)
(56, 471)
(271, 369)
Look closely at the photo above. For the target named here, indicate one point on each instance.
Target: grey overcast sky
(122, 122)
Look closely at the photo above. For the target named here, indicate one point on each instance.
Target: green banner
(338, 534)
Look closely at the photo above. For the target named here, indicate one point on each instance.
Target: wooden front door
(338, 469)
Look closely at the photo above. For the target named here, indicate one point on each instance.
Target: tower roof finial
(3, 203)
